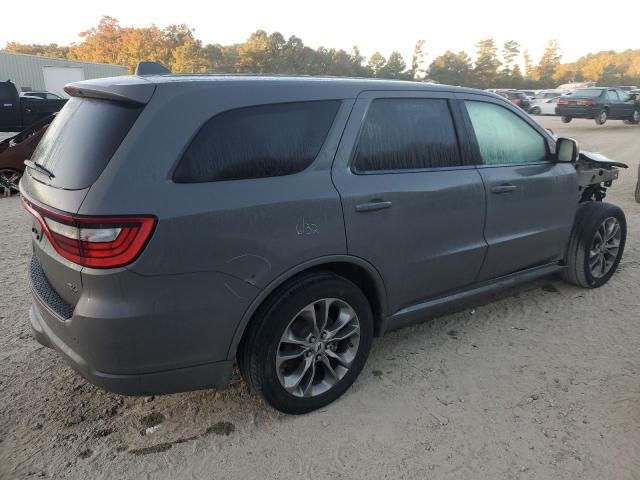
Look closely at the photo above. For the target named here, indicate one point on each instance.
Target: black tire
(258, 350)
(602, 117)
(566, 119)
(589, 218)
(635, 117)
(535, 111)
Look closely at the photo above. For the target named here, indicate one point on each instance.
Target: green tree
(377, 63)
(394, 67)
(417, 61)
(510, 51)
(487, 63)
(548, 63)
(190, 57)
(452, 69)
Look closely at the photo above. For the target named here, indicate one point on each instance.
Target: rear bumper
(578, 112)
(211, 375)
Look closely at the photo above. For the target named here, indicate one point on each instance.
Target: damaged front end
(595, 174)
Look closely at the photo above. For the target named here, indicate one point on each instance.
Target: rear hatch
(72, 154)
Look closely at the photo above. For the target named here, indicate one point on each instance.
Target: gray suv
(183, 223)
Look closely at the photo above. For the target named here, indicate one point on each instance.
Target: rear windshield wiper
(39, 168)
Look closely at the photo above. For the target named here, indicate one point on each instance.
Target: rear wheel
(596, 244)
(566, 119)
(308, 343)
(9, 179)
(602, 117)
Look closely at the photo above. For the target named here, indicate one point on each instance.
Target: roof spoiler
(123, 89)
(151, 68)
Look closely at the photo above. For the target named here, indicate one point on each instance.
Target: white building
(36, 73)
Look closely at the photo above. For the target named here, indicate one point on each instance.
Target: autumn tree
(50, 50)
(100, 44)
(178, 48)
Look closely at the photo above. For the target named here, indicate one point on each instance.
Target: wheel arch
(355, 269)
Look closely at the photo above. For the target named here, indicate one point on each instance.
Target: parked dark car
(518, 98)
(181, 223)
(15, 150)
(600, 104)
(17, 113)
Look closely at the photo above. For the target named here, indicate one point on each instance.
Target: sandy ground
(541, 383)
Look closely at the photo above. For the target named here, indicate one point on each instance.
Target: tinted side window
(503, 137)
(612, 95)
(624, 96)
(407, 133)
(254, 142)
(6, 91)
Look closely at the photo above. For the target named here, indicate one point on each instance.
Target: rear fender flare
(282, 278)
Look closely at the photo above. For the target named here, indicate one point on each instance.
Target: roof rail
(151, 68)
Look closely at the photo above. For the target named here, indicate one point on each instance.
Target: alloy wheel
(604, 247)
(9, 180)
(318, 347)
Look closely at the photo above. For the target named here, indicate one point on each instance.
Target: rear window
(82, 139)
(257, 142)
(588, 92)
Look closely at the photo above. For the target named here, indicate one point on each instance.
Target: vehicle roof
(291, 79)
(340, 86)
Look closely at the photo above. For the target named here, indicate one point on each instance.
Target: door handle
(373, 205)
(505, 188)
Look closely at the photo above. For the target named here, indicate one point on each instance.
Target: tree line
(498, 66)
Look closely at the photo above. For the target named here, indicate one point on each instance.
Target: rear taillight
(96, 242)
(585, 102)
(563, 101)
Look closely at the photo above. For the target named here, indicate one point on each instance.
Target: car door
(627, 104)
(615, 109)
(549, 106)
(413, 202)
(9, 107)
(531, 200)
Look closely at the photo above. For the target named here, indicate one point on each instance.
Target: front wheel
(566, 119)
(535, 111)
(635, 117)
(601, 118)
(308, 343)
(596, 244)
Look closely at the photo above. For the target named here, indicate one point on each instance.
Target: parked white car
(544, 106)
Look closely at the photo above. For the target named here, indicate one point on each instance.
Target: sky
(372, 25)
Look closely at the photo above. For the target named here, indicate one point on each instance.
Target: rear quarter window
(82, 139)
(257, 142)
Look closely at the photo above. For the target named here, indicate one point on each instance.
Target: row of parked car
(597, 103)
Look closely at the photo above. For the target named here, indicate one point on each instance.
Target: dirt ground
(542, 383)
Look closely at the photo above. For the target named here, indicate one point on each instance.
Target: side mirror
(567, 150)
